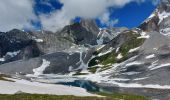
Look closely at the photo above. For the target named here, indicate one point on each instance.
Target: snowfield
(40, 88)
(39, 71)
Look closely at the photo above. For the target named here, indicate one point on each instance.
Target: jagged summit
(164, 6)
(83, 32)
(159, 20)
(90, 25)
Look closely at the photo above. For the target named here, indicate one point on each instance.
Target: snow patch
(117, 50)
(39, 71)
(13, 54)
(40, 88)
(70, 68)
(150, 56)
(162, 16)
(38, 40)
(137, 79)
(160, 66)
(130, 73)
(143, 35)
(153, 64)
(108, 51)
(105, 79)
(134, 49)
(2, 59)
(119, 56)
(104, 34)
(133, 63)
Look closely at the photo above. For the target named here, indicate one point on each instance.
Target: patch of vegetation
(79, 73)
(114, 96)
(96, 52)
(120, 96)
(93, 69)
(132, 41)
(104, 59)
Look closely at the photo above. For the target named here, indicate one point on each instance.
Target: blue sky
(55, 14)
(131, 15)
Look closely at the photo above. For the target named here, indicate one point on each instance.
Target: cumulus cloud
(87, 9)
(90, 8)
(20, 14)
(54, 21)
(106, 20)
(16, 14)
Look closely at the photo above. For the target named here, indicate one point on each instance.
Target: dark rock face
(60, 62)
(164, 6)
(84, 33)
(159, 20)
(50, 42)
(151, 25)
(13, 41)
(16, 41)
(35, 43)
(90, 25)
(106, 35)
(34, 46)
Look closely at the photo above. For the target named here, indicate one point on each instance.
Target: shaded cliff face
(83, 33)
(17, 44)
(159, 19)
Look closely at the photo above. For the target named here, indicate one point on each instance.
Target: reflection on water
(89, 86)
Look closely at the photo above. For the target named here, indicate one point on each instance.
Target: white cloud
(16, 14)
(88, 9)
(54, 21)
(106, 20)
(113, 22)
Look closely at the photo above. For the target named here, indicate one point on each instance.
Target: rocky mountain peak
(84, 32)
(90, 25)
(164, 6)
(159, 20)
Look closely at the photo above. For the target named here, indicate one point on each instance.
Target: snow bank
(162, 16)
(119, 56)
(13, 54)
(39, 71)
(134, 49)
(106, 52)
(2, 59)
(160, 66)
(40, 88)
(133, 63)
(144, 35)
(39, 40)
(150, 56)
